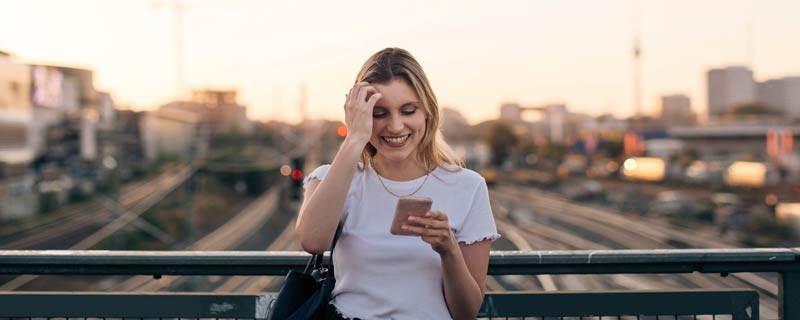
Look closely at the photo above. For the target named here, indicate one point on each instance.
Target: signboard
(47, 87)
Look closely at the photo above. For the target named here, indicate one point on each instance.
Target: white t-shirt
(384, 276)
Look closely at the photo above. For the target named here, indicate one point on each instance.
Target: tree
(751, 109)
(685, 157)
(502, 141)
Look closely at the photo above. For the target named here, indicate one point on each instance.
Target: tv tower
(179, 9)
(637, 62)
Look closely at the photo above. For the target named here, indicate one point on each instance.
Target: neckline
(418, 179)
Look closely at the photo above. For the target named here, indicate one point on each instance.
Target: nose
(396, 124)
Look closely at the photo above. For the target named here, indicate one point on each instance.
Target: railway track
(226, 237)
(558, 224)
(55, 233)
(160, 189)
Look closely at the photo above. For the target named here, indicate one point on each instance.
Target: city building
(676, 110)
(218, 109)
(65, 96)
(16, 113)
(511, 112)
(18, 197)
(781, 96)
(735, 141)
(183, 128)
(56, 130)
(172, 132)
(556, 119)
(129, 136)
(729, 87)
(454, 126)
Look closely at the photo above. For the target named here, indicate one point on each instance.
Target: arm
(464, 267)
(323, 200)
(464, 274)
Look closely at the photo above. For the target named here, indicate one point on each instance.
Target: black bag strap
(316, 259)
(333, 246)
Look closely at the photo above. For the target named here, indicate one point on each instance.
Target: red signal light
(341, 131)
(297, 174)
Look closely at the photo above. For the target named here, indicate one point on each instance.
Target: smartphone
(409, 206)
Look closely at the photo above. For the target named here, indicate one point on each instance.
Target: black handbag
(306, 295)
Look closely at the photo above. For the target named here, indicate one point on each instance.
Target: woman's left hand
(434, 228)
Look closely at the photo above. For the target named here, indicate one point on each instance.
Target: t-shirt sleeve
(318, 174)
(479, 224)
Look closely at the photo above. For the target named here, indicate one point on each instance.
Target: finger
(374, 99)
(362, 93)
(424, 232)
(431, 223)
(438, 215)
(358, 87)
(351, 96)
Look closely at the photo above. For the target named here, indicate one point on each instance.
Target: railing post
(789, 294)
(789, 291)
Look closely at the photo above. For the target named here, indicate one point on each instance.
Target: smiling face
(398, 121)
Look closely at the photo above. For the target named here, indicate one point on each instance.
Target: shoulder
(320, 172)
(458, 175)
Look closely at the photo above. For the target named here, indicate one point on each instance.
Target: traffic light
(297, 178)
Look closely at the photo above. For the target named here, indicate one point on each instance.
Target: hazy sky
(478, 54)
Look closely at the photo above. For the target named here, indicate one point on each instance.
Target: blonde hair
(390, 63)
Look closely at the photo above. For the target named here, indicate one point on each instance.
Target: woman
(393, 148)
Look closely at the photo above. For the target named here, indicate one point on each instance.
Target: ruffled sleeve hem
(476, 239)
(318, 174)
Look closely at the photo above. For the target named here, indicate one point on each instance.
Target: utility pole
(637, 62)
(750, 45)
(178, 8)
(301, 103)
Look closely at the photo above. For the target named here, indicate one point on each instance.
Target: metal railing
(738, 303)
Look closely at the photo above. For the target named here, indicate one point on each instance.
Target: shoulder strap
(336, 237)
(317, 258)
(333, 246)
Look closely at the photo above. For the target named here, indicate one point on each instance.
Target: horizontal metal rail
(500, 262)
(738, 304)
(784, 261)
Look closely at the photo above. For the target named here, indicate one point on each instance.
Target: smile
(396, 140)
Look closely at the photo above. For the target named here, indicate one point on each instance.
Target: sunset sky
(477, 54)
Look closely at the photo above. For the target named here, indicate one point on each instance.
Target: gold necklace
(390, 191)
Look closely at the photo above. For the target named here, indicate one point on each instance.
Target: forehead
(396, 93)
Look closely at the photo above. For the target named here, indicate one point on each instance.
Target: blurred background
(188, 125)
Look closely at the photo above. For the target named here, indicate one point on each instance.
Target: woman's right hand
(358, 111)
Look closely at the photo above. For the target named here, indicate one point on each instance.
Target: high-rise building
(511, 112)
(728, 87)
(556, 116)
(676, 109)
(781, 95)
